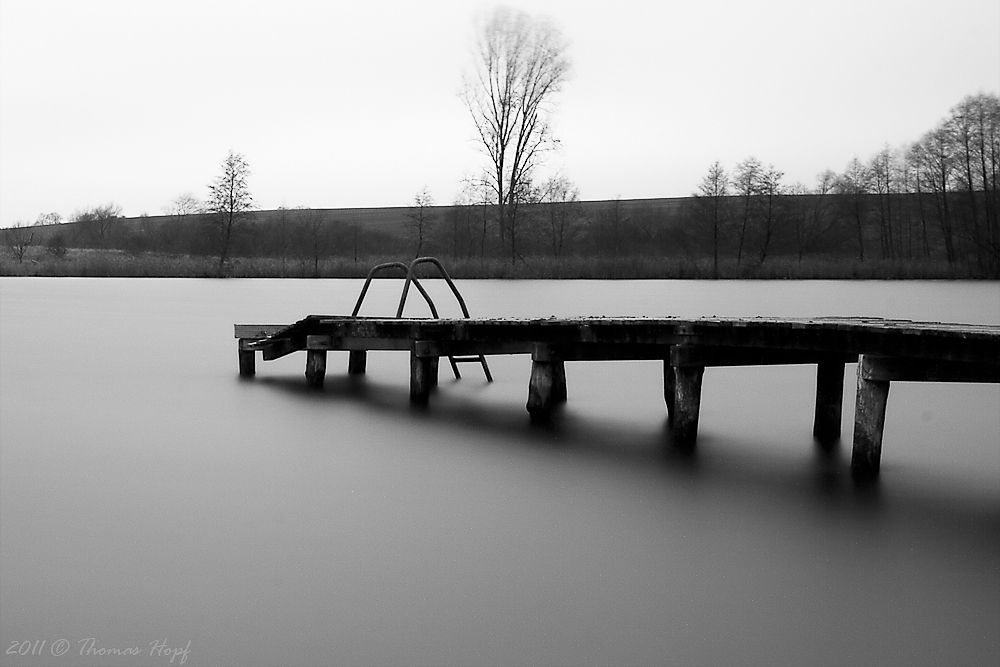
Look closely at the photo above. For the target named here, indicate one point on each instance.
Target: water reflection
(817, 477)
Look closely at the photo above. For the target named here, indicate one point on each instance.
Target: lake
(153, 505)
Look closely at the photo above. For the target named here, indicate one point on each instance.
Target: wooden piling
(315, 367)
(247, 368)
(435, 363)
(687, 405)
(547, 385)
(869, 420)
(829, 401)
(423, 377)
(669, 391)
(357, 362)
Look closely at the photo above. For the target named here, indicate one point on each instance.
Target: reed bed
(120, 264)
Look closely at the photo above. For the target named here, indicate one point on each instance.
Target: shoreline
(121, 264)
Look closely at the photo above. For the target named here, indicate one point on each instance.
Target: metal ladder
(412, 278)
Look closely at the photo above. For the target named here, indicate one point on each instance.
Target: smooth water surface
(148, 495)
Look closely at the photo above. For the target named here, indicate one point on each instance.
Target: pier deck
(885, 350)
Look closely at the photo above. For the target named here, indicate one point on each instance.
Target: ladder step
(465, 360)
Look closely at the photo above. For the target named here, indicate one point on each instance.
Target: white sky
(344, 104)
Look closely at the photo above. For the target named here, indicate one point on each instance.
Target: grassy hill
(805, 236)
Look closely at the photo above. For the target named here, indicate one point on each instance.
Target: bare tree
(461, 218)
(183, 204)
(97, 222)
(747, 181)
(353, 233)
(559, 197)
(420, 218)
(478, 193)
(519, 66)
(814, 220)
(771, 190)
(282, 223)
(855, 182)
(973, 127)
(318, 237)
(712, 190)
(610, 229)
(48, 219)
(882, 173)
(935, 163)
(230, 201)
(18, 239)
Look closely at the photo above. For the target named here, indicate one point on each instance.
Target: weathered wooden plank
(950, 342)
(319, 342)
(446, 348)
(366, 344)
(257, 331)
(699, 355)
(275, 349)
(936, 370)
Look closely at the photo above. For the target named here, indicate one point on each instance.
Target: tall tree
(559, 197)
(519, 66)
(317, 235)
(935, 161)
(229, 201)
(711, 194)
(855, 182)
(973, 128)
(771, 190)
(747, 178)
(880, 169)
(821, 220)
(420, 218)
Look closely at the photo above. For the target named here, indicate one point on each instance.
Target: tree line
(935, 197)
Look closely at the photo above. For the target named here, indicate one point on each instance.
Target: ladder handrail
(392, 265)
(410, 277)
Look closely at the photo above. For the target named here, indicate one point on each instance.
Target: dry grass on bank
(116, 263)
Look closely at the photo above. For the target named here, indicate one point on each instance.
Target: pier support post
(315, 367)
(434, 374)
(687, 405)
(423, 377)
(829, 400)
(869, 421)
(669, 388)
(247, 368)
(547, 385)
(357, 362)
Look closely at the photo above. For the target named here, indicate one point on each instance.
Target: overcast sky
(343, 104)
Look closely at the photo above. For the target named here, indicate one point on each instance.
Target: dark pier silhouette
(885, 351)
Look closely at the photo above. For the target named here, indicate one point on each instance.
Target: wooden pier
(885, 351)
